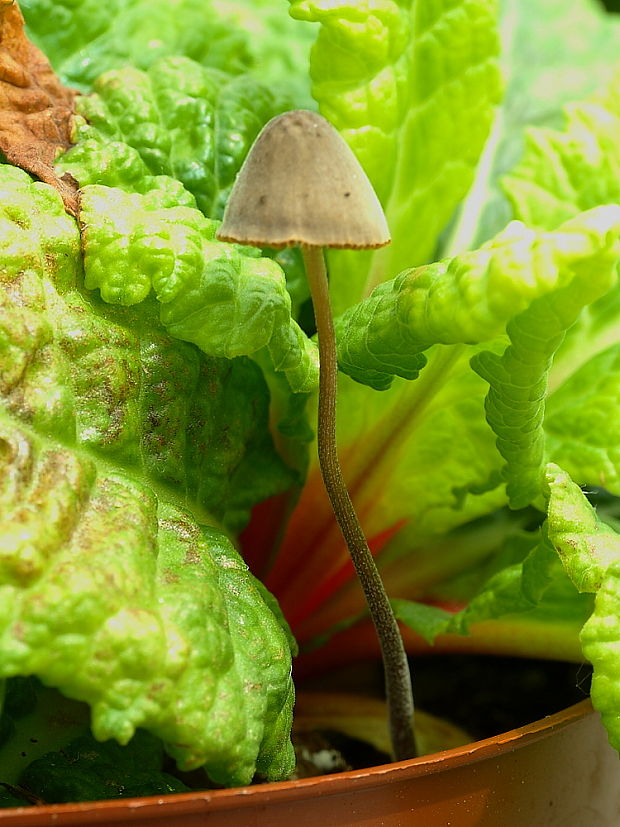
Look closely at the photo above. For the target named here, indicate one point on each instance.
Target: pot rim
(109, 811)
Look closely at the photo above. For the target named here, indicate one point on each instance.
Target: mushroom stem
(397, 678)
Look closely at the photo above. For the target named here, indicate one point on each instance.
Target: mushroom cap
(302, 184)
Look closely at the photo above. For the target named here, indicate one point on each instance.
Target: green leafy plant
(158, 385)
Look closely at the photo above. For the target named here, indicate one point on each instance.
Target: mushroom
(302, 185)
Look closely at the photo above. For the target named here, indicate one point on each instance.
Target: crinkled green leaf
(86, 770)
(590, 551)
(562, 172)
(226, 299)
(537, 585)
(84, 38)
(565, 172)
(599, 640)
(551, 53)
(113, 382)
(586, 545)
(120, 599)
(470, 298)
(49, 752)
(534, 588)
(427, 621)
(292, 432)
(582, 421)
(518, 379)
(400, 80)
(116, 164)
(533, 285)
(191, 123)
(279, 45)
(423, 449)
(180, 129)
(112, 591)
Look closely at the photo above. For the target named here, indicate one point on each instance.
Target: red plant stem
(337, 579)
(397, 678)
(513, 637)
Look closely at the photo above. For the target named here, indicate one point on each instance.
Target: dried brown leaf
(36, 110)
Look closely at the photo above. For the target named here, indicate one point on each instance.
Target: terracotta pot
(557, 772)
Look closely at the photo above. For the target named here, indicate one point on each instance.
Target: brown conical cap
(301, 184)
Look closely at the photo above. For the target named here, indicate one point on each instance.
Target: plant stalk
(397, 678)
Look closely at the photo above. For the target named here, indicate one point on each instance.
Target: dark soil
(488, 695)
(484, 695)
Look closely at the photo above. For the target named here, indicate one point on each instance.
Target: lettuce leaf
(85, 770)
(528, 588)
(226, 299)
(84, 38)
(400, 80)
(48, 755)
(186, 121)
(279, 46)
(561, 172)
(110, 380)
(582, 422)
(470, 298)
(394, 447)
(421, 457)
(551, 55)
(590, 551)
(567, 170)
(518, 379)
(178, 134)
(407, 486)
(564, 172)
(113, 590)
(534, 284)
(121, 600)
